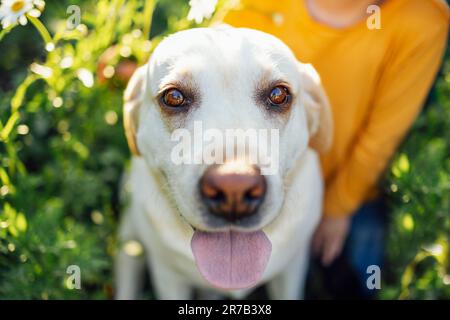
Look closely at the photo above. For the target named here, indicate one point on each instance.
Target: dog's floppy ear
(132, 102)
(318, 110)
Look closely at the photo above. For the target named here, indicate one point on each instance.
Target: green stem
(19, 95)
(41, 28)
(4, 32)
(148, 16)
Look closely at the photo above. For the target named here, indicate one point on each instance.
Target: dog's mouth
(231, 259)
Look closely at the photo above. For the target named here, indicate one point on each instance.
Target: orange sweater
(376, 80)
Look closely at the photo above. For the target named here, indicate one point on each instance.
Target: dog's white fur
(225, 65)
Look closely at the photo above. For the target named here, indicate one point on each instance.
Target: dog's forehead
(221, 49)
(226, 40)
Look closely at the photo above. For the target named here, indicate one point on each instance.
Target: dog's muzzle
(233, 191)
(232, 259)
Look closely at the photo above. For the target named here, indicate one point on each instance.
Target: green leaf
(21, 222)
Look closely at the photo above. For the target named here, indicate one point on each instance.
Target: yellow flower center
(17, 5)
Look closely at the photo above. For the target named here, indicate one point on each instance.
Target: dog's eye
(173, 98)
(279, 96)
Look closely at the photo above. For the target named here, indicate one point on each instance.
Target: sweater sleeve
(398, 98)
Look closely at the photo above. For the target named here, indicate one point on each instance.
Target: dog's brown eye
(173, 98)
(279, 95)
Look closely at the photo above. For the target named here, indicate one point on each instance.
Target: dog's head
(223, 114)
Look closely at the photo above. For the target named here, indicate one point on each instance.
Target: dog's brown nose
(233, 191)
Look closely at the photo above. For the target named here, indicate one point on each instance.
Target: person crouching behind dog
(377, 61)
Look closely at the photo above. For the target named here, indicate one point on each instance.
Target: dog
(222, 229)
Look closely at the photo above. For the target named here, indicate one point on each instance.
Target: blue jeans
(365, 242)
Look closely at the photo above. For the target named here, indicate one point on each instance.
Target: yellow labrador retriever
(229, 225)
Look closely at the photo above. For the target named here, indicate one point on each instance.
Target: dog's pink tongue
(231, 260)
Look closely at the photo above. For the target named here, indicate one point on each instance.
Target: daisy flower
(16, 11)
(201, 9)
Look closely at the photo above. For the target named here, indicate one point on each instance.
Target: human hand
(329, 238)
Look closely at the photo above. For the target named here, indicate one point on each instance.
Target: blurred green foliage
(418, 189)
(62, 144)
(63, 152)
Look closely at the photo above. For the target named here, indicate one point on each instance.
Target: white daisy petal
(34, 13)
(8, 21)
(5, 24)
(23, 20)
(40, 4)
(201, 9)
